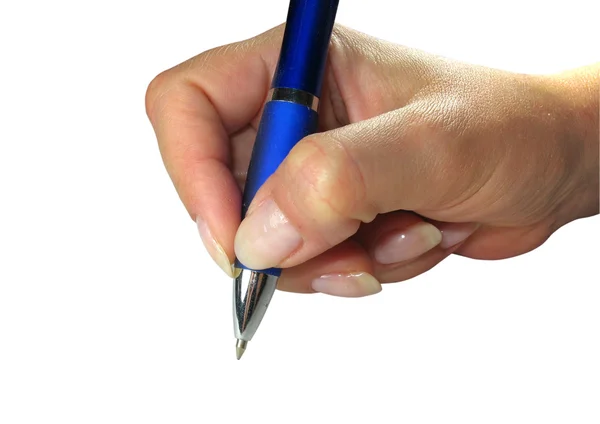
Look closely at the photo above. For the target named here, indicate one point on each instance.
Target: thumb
(332, 181)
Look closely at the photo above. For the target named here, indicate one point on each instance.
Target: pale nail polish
(215, 250)
(347, 285)
(265, 237)
(407, 244)
(454, 233)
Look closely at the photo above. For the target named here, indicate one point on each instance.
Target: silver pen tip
(240, 348)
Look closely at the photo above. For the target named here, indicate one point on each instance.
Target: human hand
(419, 157)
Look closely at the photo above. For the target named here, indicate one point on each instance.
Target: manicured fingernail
(215, 250)
(347, 285)
(265, 237)
(407, 244)
(453, 233)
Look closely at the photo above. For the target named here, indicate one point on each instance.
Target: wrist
(577, 92)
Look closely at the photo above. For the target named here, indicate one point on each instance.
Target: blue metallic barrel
(306, 39)
(301, 66)
(283, 124)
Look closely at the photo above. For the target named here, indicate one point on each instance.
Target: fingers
(404, 245)
(398, 237)
(346, 270)
(332, 182)
(352, 268)
(194, 108)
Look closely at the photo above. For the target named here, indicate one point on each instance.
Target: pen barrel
(283, 124)
(290, 113)
(305, 41)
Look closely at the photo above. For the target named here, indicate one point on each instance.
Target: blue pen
(289, 115)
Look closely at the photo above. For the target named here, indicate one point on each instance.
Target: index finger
(194, 108)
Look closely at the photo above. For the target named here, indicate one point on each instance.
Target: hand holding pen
(416, 157)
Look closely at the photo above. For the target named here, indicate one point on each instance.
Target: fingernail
(453, 233)
(265, 237)
(215, 250)
(407, 244)
(347, 285)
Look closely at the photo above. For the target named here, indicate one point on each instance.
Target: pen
(289, 115)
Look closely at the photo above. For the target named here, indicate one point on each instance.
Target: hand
(419, 157)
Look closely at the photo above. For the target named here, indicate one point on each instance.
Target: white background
(111, 311)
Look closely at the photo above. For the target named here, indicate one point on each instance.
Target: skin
(457, 158)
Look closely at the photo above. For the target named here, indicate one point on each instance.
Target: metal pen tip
(240, 348)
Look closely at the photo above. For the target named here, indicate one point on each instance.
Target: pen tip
(239, 352)
(240, 348)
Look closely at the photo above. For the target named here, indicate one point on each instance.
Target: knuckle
(154, 91)
(324, 177)
(168, 86)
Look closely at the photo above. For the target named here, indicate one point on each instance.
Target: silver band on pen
(294, 95)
